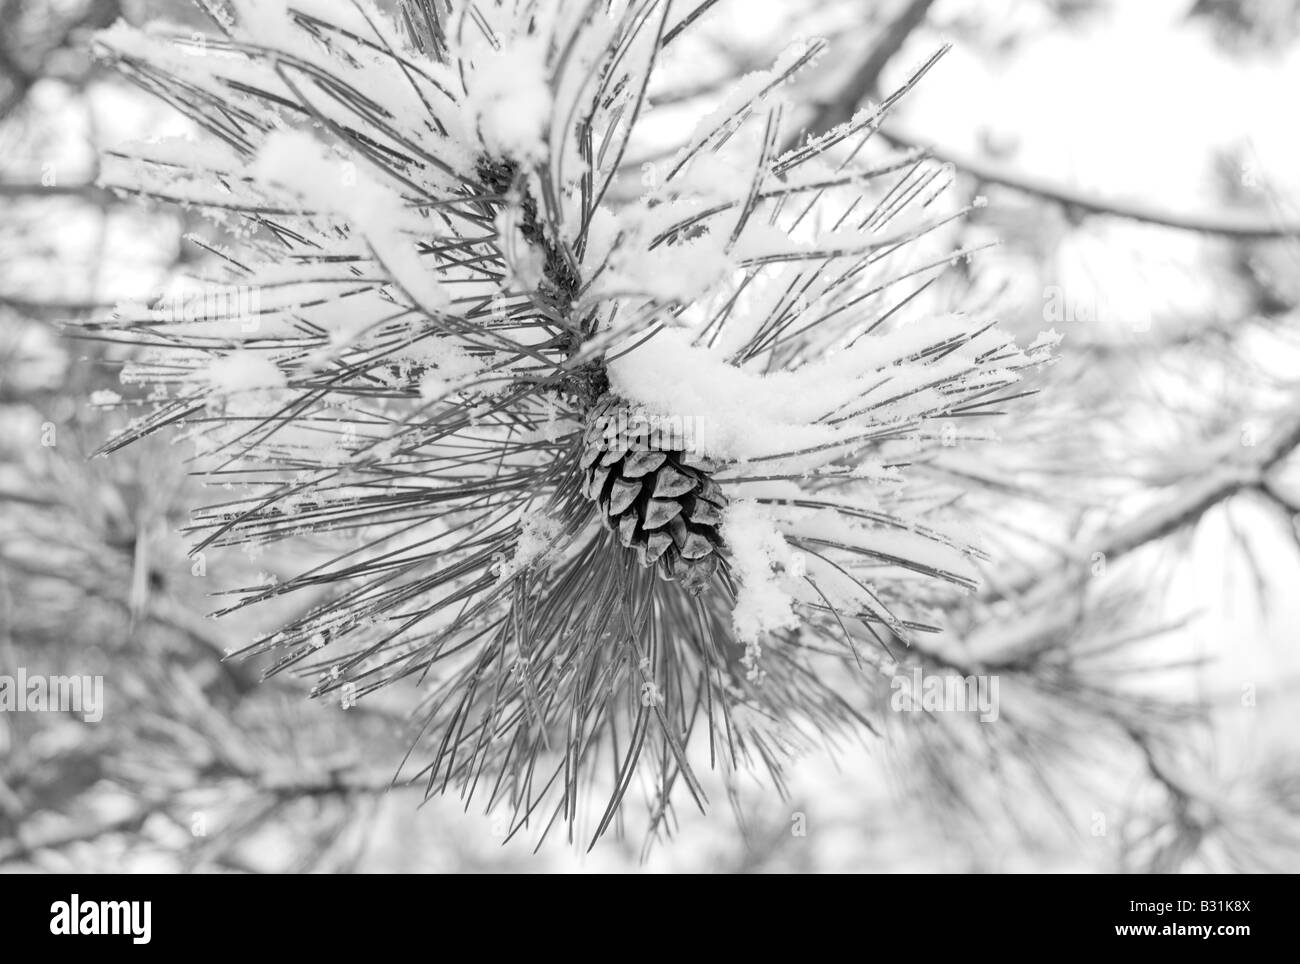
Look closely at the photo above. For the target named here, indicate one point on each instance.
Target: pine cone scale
(663, 505)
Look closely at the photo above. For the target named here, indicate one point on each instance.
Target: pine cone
(662, 502)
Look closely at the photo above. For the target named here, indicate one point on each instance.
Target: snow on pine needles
(456, 292)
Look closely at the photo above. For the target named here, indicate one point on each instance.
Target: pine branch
(863, 84)
(28, 189)
(281, 788)
(1040, 595)
(21, 846)
(552, 646)
(864, 81)
(50, 309)
(1241, 227)
(1208, 490)
(675, 31)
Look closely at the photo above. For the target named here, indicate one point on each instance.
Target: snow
(744, 96)
(397, 303)
(243, 371)
(509, 98)
(539, 535)
(451, 370)
(746, 413)
(345, 186)
(757, 549)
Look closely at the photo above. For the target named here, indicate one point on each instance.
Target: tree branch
(864, 81)
(334, 783)
(32, 189)
(1040, 594)
(1244, 227)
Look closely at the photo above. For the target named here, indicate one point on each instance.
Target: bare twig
(863, 83)
(1244, 227)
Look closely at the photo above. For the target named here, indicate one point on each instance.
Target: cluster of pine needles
(553, 669)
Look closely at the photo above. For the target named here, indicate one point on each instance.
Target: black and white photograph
(650, 437)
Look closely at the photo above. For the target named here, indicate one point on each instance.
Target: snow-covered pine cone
(662, 501)
(450, 280)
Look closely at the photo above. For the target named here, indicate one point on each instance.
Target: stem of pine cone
(586, 384)
(688, 547)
